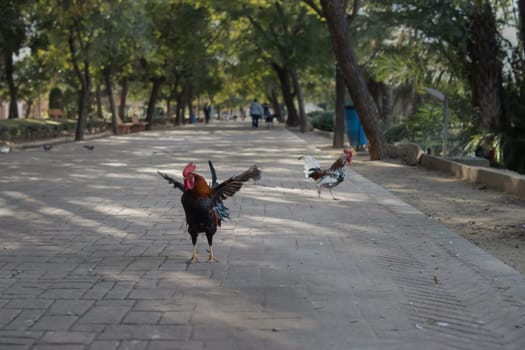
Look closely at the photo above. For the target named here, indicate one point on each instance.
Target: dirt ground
(492, 220)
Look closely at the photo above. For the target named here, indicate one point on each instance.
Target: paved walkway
(93, 253)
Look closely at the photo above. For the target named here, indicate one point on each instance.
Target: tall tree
(13, 29)
(119, 47)
(339, 122)
(521, 9)
(337, 19)
(484, 52)
(281, 35)
(79, 25)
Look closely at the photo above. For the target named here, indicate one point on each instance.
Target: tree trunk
(189, 100)
(339, 122)
(13, 91)
(109, 91)
(82, 111)
(300, 100)
(123, 98)
(98, 97)
(178, 110)
(521, 8)
(276, 107)
(157, 82)
(486, 68)
(283, 75)
(339, 29)
(85, 85)
(29, 109)
(168, 107)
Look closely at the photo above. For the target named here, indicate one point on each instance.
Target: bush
(514, 154)
(34, 129)
(322, 120)
(397, 133)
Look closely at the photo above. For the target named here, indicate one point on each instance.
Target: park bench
(137, 124)
(55, 113)
(123, 128)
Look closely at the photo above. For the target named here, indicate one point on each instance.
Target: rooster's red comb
(188, 169)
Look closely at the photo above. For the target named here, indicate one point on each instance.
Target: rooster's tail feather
(311, 166)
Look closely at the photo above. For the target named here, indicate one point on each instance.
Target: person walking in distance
(256, 112)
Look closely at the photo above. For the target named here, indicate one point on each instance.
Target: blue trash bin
(354, 128)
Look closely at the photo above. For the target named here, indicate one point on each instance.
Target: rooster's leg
(318, 191)
(211, 257)
(332, 194)
(194, 252)
(194, 255)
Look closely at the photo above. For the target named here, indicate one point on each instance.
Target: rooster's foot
(211, 256)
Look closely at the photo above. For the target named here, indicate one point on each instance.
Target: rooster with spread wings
(203, 203)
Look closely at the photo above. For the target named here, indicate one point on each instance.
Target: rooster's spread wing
(172, 181)
(229, 187)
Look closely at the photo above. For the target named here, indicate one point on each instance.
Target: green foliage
(489, 143)
(56, 98)
(322, 120)
(32, 129)
(425, 127)
(513, 153)
(397, 133)
(427, 121)
(415, 44)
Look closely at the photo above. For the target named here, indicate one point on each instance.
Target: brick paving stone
(28, 304)
(9, 340)
(70, 307)
(70, 337)
(104, 345)
(8, 315)
(98, 291)
(25, 319)
(140, 317)
(145, 332)
(54, 323)
(59, 347)
(171, 345)
(151, 293)
(120, 290)
(105, 314)
(94, 251)
(133, 345)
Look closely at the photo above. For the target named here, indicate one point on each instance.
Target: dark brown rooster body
(203, 203)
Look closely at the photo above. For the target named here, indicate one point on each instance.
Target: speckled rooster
(328, 178)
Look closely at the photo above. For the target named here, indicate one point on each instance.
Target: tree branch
(72, 50)
(355, 9)
(314, 7)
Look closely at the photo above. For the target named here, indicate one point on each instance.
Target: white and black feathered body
(328, 178)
